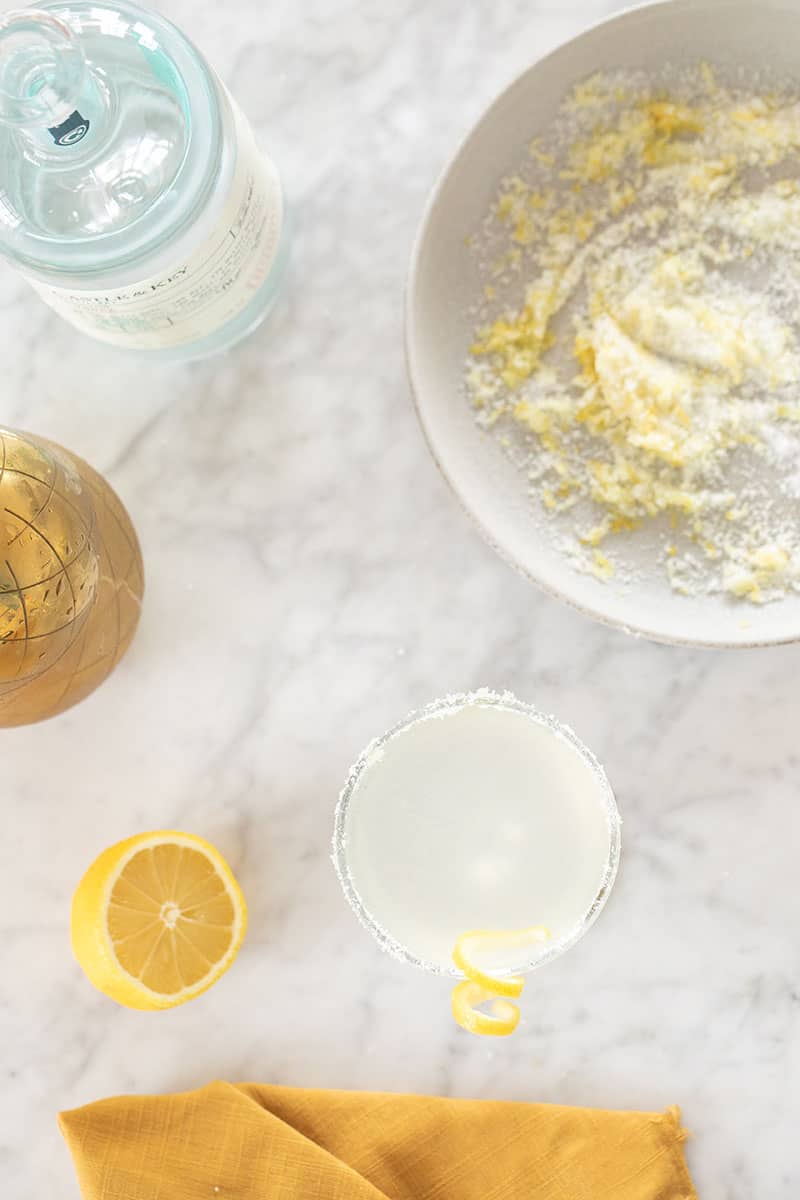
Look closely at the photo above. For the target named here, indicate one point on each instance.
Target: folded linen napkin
(250, 1142)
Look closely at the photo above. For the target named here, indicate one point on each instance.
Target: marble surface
(310, 579)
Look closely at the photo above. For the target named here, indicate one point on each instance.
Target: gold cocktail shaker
(71, 579)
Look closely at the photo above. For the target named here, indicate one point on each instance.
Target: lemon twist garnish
(480, 986)
(504, 1017)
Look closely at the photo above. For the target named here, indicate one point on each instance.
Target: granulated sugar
(637, 346)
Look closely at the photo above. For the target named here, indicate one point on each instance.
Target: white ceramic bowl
(444, 282)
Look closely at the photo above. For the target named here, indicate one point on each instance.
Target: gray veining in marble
(310, 580)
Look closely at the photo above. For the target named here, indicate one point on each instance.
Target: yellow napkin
(271, 1143)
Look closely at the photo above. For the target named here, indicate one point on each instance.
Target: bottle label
(209, 287)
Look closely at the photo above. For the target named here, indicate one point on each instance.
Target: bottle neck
(155, 162)
(47, 92)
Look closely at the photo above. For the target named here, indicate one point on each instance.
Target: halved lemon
(157, 919)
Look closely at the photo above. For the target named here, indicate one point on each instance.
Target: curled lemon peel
(477, 942)
(502, 1021)
(480, 986)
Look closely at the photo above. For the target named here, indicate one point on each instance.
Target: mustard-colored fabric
(271, 1143)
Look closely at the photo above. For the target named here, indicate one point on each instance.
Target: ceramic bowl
(444, 282)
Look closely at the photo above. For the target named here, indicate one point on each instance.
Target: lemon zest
(481, 986)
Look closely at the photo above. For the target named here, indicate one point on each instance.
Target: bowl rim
(410, 337)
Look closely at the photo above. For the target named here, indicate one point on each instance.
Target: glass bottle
(71, 579)
(133, 196)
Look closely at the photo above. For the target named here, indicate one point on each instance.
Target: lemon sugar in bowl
(477, 812)
(601, 322)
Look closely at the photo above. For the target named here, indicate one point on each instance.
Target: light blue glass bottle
(132, 193)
